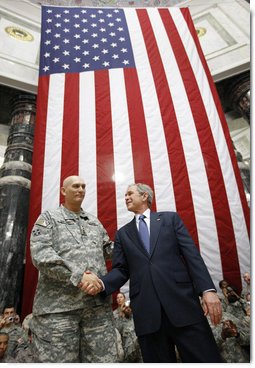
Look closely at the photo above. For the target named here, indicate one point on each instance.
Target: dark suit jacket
(172, 276)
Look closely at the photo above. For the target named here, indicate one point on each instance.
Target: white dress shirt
(147, 215)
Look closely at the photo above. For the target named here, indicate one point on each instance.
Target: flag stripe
(217, 105)
(87, 139)
(214, 174)
(200, 193)
(171, 129)
(106, 193)
(53, 142)
(222, 137)
(138, 132)
(70, 134)
(123, 158)
(162, 178)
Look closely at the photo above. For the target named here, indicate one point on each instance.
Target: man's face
(3, 344)
(135, 201)
(74, 191)
(8, 312)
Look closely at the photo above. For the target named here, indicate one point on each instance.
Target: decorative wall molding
(223, 26)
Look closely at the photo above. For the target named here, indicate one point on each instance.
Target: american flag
(124, 96)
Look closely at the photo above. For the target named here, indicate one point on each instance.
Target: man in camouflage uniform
(9, 323)
(233, 339)
(4, 357)
(125, 325)
(68, 325)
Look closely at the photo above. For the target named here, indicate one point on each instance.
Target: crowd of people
(174, 313)
(232, 335)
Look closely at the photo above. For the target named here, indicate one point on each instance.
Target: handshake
(90, 284)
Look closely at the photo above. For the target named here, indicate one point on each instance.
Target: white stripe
(87, 141)
(162, 178)
(237, 215)
(206, 226)
(53, 143)
(123, 158)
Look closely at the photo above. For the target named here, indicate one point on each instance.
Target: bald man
(69, 326)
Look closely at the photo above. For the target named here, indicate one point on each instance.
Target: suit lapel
(155, 224)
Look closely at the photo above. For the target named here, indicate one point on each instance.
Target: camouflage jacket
(63, 246)
(17, 338)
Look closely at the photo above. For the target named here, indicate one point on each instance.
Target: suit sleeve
(193, 260)
(119, 274)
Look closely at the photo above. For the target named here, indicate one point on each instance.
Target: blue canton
(75, 40)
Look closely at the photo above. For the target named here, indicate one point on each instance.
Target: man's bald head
(73, 190)
(70, 179)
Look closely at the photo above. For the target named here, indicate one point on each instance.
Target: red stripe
(138, 132)
(70, 133)
(225, 230)
(106, 192)
(30, 277)
(225, 128)
(179, 172)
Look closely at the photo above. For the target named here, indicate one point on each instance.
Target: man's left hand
(212, 305)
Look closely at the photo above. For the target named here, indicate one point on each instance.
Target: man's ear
(63, 191)
(145, 196)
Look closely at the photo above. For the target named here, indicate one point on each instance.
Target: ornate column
(238, 93)
(15, 175)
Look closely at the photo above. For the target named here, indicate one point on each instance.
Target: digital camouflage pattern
(234, 349)
(131, 348)
(26, 355)
(85, 335)
(17, 338)
(63, 246)
(67, 324)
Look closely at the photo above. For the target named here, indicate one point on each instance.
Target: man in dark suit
(166, 281)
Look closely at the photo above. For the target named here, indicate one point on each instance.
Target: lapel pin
(158, 219)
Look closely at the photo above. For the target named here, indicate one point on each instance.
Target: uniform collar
(73, 215)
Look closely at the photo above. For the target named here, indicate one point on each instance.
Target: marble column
(15, 176)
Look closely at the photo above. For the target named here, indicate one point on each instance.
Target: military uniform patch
(41, 222)
(36, 232)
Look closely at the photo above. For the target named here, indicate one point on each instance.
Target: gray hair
(144, 188)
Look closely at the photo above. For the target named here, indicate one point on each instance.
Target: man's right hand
(90, 283)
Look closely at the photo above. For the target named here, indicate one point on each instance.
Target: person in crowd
(247, 287)
(68, 325)
(167, 275)
(247, 304)
(232, 344)
(125, 325)
(120, 299)
(228, 292)
(126, 331)
(10, 323)
(4, 357)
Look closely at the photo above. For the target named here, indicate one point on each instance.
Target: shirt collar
(146, 213)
